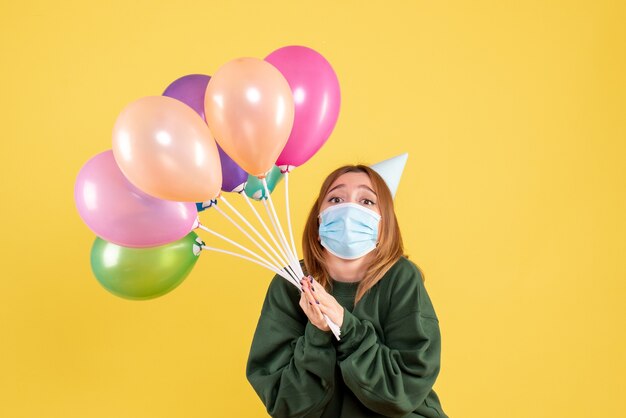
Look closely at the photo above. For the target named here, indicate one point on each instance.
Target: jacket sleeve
(291, 364)
(393, 378)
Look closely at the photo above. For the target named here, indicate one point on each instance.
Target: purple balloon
(317, 98)
(190, 90)
(233, 176)
(118, 212)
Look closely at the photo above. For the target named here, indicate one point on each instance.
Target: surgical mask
(348, 230)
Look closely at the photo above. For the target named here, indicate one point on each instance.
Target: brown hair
(386, 253)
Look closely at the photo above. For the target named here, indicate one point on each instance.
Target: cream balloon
(250, 109)
(165, 149)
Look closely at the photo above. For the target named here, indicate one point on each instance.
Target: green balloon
(254, 187)
(143, 273)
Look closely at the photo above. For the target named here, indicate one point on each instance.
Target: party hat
(391, 171)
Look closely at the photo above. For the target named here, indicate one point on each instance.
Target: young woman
(388, 355)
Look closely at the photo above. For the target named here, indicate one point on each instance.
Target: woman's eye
(368, 202)
(334, 200)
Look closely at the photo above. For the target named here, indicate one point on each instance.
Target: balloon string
(204, 228)
(264, 263)
(276, 263)
(293, 245)
(282, 260)
(333, 327)
(279, 232)
(282, 274)
(276, 224)
(243, 218)
(267, 266)
(283, 263)
(267, 230)
(287, 276)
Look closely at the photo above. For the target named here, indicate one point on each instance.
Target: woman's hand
(315, 302)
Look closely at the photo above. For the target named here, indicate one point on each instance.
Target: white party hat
(391, 171)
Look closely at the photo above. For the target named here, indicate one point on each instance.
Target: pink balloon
(121, 213)
(317, 98)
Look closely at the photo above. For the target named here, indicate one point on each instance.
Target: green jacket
(385, 364)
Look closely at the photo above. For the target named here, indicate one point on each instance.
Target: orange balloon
(249, 107)
(164, 148)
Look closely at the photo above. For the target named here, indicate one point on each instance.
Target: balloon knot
(209, 203)
(197, 248)
(286, 168)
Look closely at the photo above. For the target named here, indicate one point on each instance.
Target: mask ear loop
(319, 239)
(378, 240)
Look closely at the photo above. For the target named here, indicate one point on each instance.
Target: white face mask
(348, 230)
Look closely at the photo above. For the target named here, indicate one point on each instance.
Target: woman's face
(352, 188)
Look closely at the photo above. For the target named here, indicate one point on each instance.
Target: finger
(315, 284)
(313, 297)
(317, 313)
(327, 303)
(319, 290)
(313, 315)
(310, 283)
(320, 293)
(328, 311)
(309, 300)
(314, 303)
(304, 303)
(309, 294)
(335, 315)
(303, 284)
(306, 293)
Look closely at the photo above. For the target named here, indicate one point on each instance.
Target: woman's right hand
(311, 307)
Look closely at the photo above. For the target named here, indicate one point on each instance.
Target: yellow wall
(512, 202)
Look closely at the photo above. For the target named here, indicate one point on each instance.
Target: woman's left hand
(327, 304)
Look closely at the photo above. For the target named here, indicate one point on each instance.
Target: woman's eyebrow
(363, 186)
(336, 187)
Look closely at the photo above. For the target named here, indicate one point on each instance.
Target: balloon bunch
(240, 131)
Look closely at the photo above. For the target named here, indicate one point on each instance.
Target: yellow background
(512, 202)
